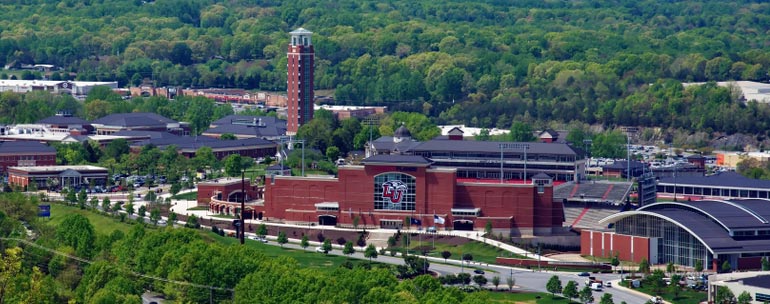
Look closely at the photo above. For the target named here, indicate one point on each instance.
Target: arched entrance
(463, 225)
(327, 220)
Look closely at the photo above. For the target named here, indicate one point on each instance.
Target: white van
(596, 286)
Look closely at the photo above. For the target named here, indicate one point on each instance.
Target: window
(394, 191)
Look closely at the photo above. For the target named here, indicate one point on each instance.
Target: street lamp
(243, 204)
(516, 146)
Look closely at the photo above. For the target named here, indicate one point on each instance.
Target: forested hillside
(607, 62)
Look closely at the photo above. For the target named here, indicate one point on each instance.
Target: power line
(130, 271)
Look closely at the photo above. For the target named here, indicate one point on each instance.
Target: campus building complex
(709, 231)
(391, 191)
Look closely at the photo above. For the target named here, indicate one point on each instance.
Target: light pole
(243, 204)
(517, 146)
(586, 143)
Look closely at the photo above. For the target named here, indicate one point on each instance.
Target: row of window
(496, 156)
(674, 243)
(27, 157)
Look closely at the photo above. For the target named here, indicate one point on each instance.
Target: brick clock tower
(299, 81)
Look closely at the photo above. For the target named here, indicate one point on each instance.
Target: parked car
(320, 249)
(584, 274)
(478, 271)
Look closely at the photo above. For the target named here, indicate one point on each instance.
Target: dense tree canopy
(477, 63)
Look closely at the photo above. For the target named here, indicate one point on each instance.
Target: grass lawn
(481, 252)
(686, 295)
(190, 196)
(103, 224)
(534, 297)
(309, 258)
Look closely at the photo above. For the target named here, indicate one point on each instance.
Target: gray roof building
(243, 126)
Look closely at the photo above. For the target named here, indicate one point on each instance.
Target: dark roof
(230, 119)
(623, 165)
(722, 179)
(402, 131)
(551, 132)
(713, 220)
(259, 126)
(386, 144)
(63, 120)
(148, 134)
(761, 281)
(244, 130)
(12, 147)
(195, 143)
(396, 159)
(492, 146)
(696, 156)
(133, 120)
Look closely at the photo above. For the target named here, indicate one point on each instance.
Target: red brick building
(388, 190)
(223, 196)
(25, 154)
(608, 244)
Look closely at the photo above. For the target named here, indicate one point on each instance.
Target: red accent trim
(604, 197)
(574, 190)
(577, 219)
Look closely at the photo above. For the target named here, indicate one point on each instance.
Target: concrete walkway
(183, 207)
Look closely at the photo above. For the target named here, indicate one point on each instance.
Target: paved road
(527, 280)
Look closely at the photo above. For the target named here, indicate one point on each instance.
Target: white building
(76, 88)
(750, 90)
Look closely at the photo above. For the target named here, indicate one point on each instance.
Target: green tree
(129, 208)
(142, 211)
(77, 232)
(606, 299)
(192, 222)
(586, 295)
(496, 281)
(480, 280)
(615, 261)
(510, 281)
(327, 246)
(10, 266)
(82, 197)
(644, 266)
(227, 136)
(570, 290)
(106, 204)
(233, 164)
(262, 230)
(726, 267)
(94, 202)
(488, 230)
(609, 144)
(744, 298)
(391, 241)
(304, 243)
(370, 252)
(554, 285)
(171, 218)
(155, 216)
(446, 254)
(521, 132)
(765, 263)
(670, 267)
(724, 295)
(698, 266)
(348, 249)
(282, 239)
(332, 153)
